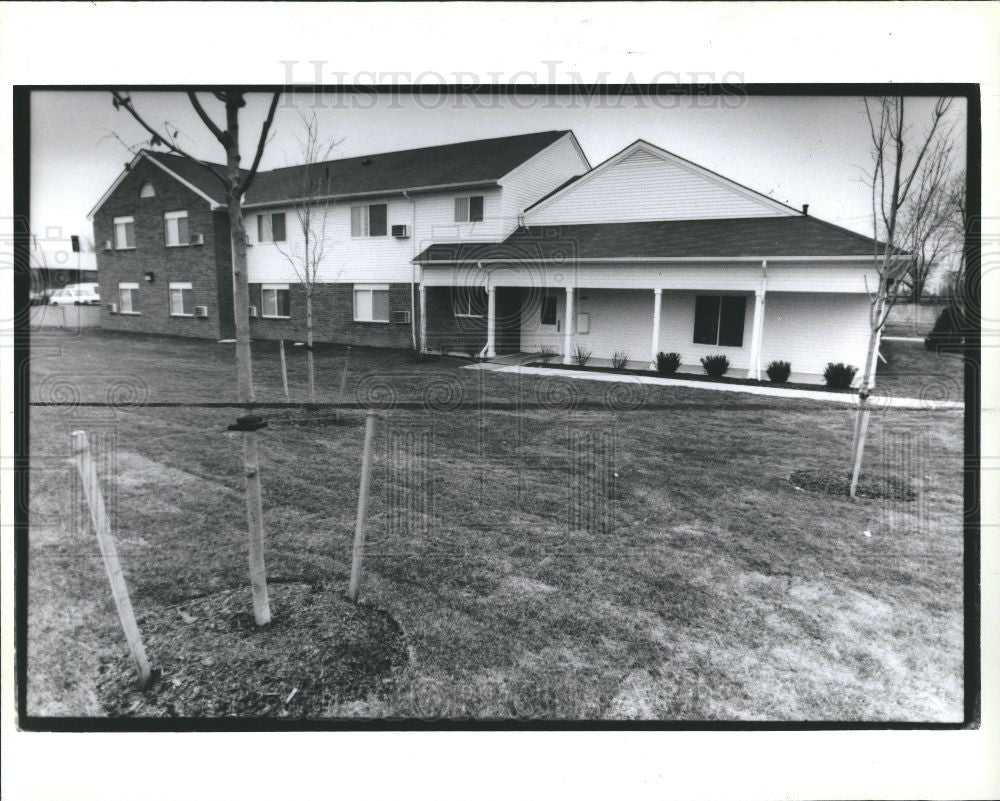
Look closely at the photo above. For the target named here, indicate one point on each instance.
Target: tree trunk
(244, 371)
(309, 345)
(864, 413)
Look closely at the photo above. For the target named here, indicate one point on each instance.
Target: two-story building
(165, 258)
(496, 246)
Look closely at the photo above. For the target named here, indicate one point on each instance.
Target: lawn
(648, 559)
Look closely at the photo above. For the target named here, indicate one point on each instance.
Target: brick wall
(205, 266)
(333, 317)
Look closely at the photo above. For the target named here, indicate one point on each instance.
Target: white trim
(865, 260)
(179, 285)
(386, 193)
(128, 285)
(375, 287)
(665, 155)
(212, 203)
(273, 286)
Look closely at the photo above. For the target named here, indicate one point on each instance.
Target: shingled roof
(194, 174)
(757, 237)
(483, 161)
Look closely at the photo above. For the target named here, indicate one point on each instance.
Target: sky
(798, 150)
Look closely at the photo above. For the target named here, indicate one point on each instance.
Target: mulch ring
(319, 650)
(839, 483)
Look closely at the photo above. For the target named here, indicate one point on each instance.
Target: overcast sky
(797, 150)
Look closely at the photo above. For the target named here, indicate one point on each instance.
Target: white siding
(810, 330)
(382, 259)
(807, 329)
(538, 176)
(645, 186)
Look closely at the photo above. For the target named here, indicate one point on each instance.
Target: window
(470, 302)
(369, 220)
(718, 320)
(271, 227)
(371, 303)
(274, 298)
(128, 298)
(124, 233)
(74, 242)
(175, 225)
(180, 299)
(548, 310)
(469, 209)
(146, 190)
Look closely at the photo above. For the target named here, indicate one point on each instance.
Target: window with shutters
(719, 320)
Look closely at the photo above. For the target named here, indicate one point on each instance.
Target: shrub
(581, 356)
(948, 330)
(716, 366)
(472, 353)
(546, 354)
(619, 361)
(839, 375)
(445, 348)
(667, 363)
(778, 372)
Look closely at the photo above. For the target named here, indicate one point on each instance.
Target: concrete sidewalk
(850, 399)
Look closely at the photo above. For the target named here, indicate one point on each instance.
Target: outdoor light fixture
(150, 277)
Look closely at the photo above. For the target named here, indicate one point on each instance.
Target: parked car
(76, 295)
(40, 297)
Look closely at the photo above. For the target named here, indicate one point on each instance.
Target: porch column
(756, 342)
(657, 303)
(568, 330)
(491, 322)
(423, 319)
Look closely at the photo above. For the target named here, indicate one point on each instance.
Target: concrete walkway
(849, 399)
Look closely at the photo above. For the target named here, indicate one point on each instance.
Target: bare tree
(312, 209)
(235, 182)
(897, 178)
(926, 222)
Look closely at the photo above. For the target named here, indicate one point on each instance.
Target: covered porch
(750, 313)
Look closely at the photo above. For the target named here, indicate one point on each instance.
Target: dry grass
(543, 564)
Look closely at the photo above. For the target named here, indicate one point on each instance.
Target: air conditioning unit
(113, 308)
(401, 317)
(197, 239)
(108, 245)
(400, 232)
(201, 311)
(253, 311)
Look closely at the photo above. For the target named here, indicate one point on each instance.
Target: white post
(284, 367)
(655, 348)
(119, 590)
(755, 333)
(491, 322)
(568, 330)
(423, 319)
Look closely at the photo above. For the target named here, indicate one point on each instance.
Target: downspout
(413, 269)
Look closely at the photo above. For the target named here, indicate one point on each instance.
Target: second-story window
(469, 209)
(175, 227)
(124, 233)
(369, 220)
(271, 227)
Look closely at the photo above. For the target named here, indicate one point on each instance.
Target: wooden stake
(284, 367)
(119, 590)
(255, 523)
(359, 526)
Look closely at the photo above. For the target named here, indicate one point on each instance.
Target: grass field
(550, 563)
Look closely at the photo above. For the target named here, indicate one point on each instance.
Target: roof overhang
(658, 260)
(398, 192)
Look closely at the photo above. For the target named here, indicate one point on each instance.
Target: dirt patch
(832, 482)
(319, 651)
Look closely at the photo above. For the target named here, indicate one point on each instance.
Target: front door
(550, 321)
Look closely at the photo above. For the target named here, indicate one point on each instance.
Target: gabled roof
(481, 162)
(796, 236)
(641, 144)
(462, 164)
(198, 179)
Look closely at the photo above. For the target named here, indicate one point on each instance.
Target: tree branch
(245, 184)
(217, 132)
